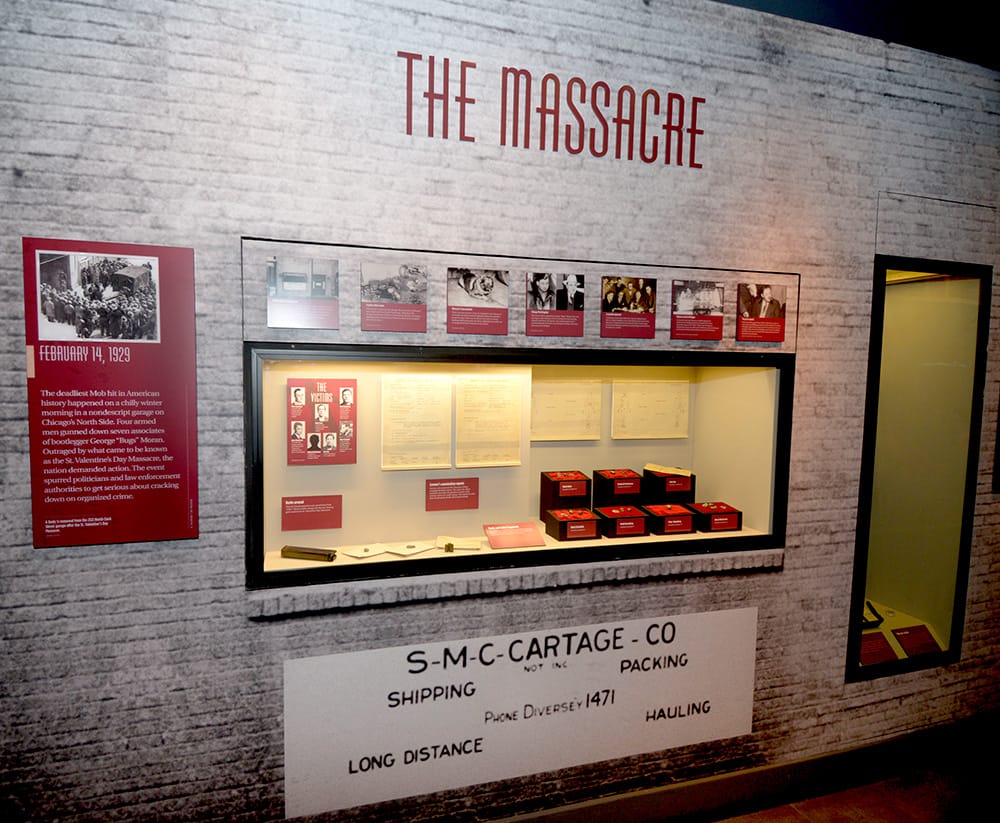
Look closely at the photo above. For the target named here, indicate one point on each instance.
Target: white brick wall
(134, 684)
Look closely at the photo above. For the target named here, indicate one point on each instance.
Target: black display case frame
(256, 354)
(865, 618)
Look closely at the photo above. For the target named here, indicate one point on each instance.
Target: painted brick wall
(134, 684)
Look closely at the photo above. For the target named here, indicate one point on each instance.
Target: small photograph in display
(541, 291)
(477, 288)
(698, 298)
(636, 295)
(303, 278)
(98, 297)
(393, 283)
(761, 300)
(569, 294)
(303, 292)
(559, 292)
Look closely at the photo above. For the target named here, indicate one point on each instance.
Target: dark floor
(945, 795)
(943, 774)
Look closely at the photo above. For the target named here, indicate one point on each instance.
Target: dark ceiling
(963, 29)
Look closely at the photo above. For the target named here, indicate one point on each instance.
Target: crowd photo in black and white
(88, 297)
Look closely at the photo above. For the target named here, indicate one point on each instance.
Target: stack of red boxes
(626, 504)
(564, 506)
(666, 493)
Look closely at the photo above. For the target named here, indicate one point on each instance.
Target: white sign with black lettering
(369, 726)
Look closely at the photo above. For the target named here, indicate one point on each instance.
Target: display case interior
(919, 475)
(397, 461)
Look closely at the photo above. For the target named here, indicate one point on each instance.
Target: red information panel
(452, 495)
(478, 301)
(554, 305)
(393, 317)
(393, 297)
(322, 422)
(628, 307)
(760, 314)
(553, 323)
(697, 310)
(112, 403)
(292, 313)
(323, 511)
(303, 293)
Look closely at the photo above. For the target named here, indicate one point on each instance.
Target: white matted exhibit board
(369, 726)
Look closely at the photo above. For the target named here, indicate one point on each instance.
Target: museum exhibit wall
(143, 680)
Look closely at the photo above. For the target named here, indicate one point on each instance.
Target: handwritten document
(416, 421)
(565, 410)
(649, 409)
(488, 415)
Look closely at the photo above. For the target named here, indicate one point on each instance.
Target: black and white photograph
(303, 292)
(636, 295)
(478, 288)
(300, 278)
(89, 296)
(393, 283)
(761, 300)
(541, 291)
(569, 294)
(698, 297)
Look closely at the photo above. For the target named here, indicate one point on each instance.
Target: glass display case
(926, 374)
(374, 461)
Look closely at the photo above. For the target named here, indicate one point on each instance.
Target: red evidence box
(664, 487)
(617, 487)
(670, 518)
(563, 490)
(716, 517)
(571, 524)
(623, 521)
